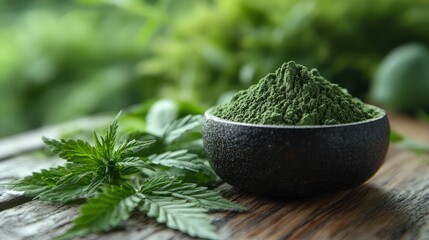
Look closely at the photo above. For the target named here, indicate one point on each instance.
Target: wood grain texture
(30, 141)
(394, 204)
(24, 165)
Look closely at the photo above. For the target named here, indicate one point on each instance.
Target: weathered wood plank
(384, 208)
(24, 165)
(35, 220)
(394, 204)
(25, 142)
(408, 126)
(11, 199)
(19, 167)
(30, 141)
(390, 206)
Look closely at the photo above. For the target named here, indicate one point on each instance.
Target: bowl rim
(382, 114)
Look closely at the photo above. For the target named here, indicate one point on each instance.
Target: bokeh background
(63, 59)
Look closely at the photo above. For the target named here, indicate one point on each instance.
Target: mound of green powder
(293, 95)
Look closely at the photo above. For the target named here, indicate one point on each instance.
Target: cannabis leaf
(179, 134)
(181, 128)
(178, 150)
(170, 187)
(181, 215)
(181, 206)
(116, 181)
(107, 210)
(38, 182)
(88, 167)
(183, 160)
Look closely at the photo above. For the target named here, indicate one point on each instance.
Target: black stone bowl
(295, 161)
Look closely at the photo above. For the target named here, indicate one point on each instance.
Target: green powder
(295, 96)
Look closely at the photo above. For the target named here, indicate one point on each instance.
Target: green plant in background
(402, 81)
(61, 60)
(155, 177)
(226, 45)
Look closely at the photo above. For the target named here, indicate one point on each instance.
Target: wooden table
(394, 204)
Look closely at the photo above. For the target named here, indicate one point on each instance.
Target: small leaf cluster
(87, 167)
(181, 206)
(156, 173)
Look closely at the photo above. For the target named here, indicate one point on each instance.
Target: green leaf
(69, 192)
(191, 141)
(88, 167)
(180, 128)
(128, 149)
(206, 198)
(76, 172)
(108, 142)
(183, 160)
(35, 184)
(184, 175)
(170, 187)
(181, 215)
(153, 183)
(180, 206)
(107, 210)
(76, 151)
(160, 115)
(56, 185)
(132, 165)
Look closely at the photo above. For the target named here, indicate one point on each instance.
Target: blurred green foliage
(229, 44)
(63, 59)
(60, 60)
(401, 82)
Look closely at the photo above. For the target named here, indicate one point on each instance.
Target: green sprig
(119, 178)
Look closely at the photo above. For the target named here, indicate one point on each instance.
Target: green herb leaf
(180, 206)
(69, 192)
(72, 150)
(160, 115)
(170, 187)
(180, 128)
(109, 176)
(88, 167)
(133, 165)
(105, 211)
(181, 215)
(37, 183)
(183, 160)
(128, 149)
(180, 134)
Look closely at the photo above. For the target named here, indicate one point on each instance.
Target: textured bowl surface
(295, 160)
